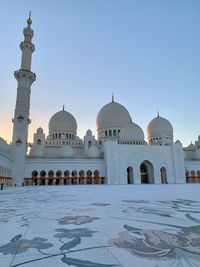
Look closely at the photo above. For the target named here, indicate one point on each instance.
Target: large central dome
(112, 115)
(62, 122)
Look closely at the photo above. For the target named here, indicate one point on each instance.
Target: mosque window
(59, 135)
(114, 132)
(39, 142)
(70, 136)
(89, 144)
(56, 135)
(118, 131)
(105, 133)
(110, 133)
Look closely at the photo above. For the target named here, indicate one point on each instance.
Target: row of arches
(146, 174)
(64, 178)
(192, 176)
(5, 175)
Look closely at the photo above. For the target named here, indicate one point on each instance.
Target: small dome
(191, 147)
(112, 115)
(39, 130)
(67, 151)
(159, 127)
(62, 121)
(132, 132)
(93, 152)
(36, 151)
(89, 132)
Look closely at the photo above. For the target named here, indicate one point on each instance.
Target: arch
(147, 172)
(34, 173)
(81, 173)
(66, 173)
(51, 173)
(96, 173)
(74, 173)
(130, 175)
(39, 141)
(89, 177)
(58, 173)
(89, 144)
(192, 174)
(89, 173)
(42, 173)
(163, 175)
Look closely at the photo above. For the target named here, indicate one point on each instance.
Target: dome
(39, 130)
(132, 132)
(112, 115)
(62, 121)
(191, 147)
(93, 152)
(36, 151)
(159, 127)
(89, 132)
(67, 151)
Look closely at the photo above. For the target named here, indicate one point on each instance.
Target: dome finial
(29, 20)
(158, 114)
(113, 99)
(63, 107)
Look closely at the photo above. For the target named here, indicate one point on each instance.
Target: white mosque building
(119, 155)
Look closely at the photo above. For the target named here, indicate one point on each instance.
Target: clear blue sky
(146, 52)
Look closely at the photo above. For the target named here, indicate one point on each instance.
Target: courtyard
(100, 226)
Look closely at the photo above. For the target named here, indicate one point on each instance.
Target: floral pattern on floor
(100, 226)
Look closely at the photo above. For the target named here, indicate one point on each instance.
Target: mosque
(119, 155)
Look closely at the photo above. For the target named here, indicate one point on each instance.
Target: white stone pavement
(100, 226)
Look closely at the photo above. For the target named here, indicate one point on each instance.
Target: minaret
(25, 77)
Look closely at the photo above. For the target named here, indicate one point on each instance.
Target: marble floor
(100, 226)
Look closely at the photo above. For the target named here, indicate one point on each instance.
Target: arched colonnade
(66, 177)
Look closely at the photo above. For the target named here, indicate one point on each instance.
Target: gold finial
(113, 99)
(29, 20)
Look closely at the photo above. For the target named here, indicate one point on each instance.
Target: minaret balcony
(27, 45)
(18, 141)
(20, 74)
(20, 118)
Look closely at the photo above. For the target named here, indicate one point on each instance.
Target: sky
(145, 52)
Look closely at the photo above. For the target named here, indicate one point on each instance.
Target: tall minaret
(25, 77)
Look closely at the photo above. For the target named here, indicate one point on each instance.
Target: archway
(34, 174)
(89, 177)
(147, 172)
(96, 177)
(130, 175)
(81, 177)
(163, 175)
(74, 177)
(66, 177)
(50, 177)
